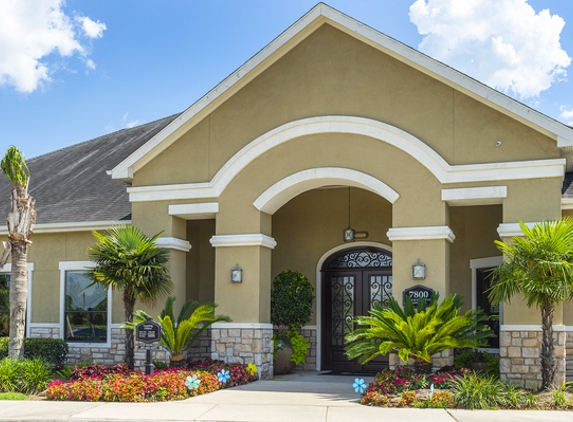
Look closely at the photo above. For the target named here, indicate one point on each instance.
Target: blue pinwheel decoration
(192, 382)
(223, 376)
(359, 385)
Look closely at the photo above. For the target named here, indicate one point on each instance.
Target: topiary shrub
(50, 350)
(292, 296)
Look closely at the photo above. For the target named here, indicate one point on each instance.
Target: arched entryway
(353, 280)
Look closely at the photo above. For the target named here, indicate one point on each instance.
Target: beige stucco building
(331, 125)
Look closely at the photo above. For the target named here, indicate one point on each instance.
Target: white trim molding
(301, 29)
(556, 327)
(242, 325)
(232, 240)
(288, 188)
(362, 126)
(421, 233)
(87, 226)
(173, 243)
(487, 195)
(201, 211)
(567, 203)
(512, 229)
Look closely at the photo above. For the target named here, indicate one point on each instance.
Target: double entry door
(353, 282)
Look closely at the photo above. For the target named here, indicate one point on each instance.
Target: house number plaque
(417, 293)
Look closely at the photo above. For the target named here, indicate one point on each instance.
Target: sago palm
(538, 266)
(21, 219)
(416, 333)
(129, 261)
(178, 335)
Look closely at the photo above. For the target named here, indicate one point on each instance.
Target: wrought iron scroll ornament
(362, 259)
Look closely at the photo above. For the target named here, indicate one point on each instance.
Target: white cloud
(91, 29)
(567, 115)
(502, 43)
(32, 30)
(132, 123)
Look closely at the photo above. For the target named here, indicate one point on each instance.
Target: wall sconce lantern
(419, 270)
(236, 274)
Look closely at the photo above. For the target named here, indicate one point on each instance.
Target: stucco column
(530, 201)
(248, 339)
(431, 245)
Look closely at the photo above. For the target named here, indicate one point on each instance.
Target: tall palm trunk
(129, 307)
(21, 218)
(18, 295)
(547, 355)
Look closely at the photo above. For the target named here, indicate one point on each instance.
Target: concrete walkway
(299, 397)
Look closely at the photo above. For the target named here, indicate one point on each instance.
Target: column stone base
(519, 350)
(244, 343)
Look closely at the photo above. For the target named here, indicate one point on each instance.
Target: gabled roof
(316, 17)
(72, 185)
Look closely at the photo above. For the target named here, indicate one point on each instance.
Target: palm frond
(14, 166)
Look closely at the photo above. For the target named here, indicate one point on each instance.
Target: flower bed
(118, 384)
(463, 389)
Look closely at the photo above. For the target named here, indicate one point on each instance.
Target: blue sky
(116, 64)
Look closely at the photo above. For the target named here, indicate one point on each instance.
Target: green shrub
(416, 333)
(514, 398)
(12, 396)
(25, 376)
(9, 371)
(35, 376)
(292, 296)
(50, 350)
(474, 392)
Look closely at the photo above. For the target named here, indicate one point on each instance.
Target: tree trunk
(21, 219)
(18, 296)
(421, 366)
(129, 306)
(547, 352)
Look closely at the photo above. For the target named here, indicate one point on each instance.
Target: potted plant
(292, 296)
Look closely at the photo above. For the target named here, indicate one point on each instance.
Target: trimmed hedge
(50, 350)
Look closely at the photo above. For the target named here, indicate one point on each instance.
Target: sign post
(148, 332)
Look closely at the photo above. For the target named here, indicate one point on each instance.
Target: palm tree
(21, 219)
(417, 333)
(179, 334)
(129, 261)
(540, 267)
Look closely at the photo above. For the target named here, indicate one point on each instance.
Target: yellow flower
(252, 368)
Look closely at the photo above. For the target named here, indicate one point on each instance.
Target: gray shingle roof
(71, 184)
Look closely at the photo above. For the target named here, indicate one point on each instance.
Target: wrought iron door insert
(353, 281)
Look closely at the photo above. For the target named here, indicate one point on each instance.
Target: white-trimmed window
(86, 307)
(5, 299)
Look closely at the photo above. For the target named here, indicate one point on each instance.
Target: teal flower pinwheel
(192, 382)
(359, 385)
(223, 376)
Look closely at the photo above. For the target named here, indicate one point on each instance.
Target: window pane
(86, 309)
(4, 305)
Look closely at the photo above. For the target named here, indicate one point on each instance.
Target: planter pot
(283, 365)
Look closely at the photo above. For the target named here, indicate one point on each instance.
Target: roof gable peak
(300, 30)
